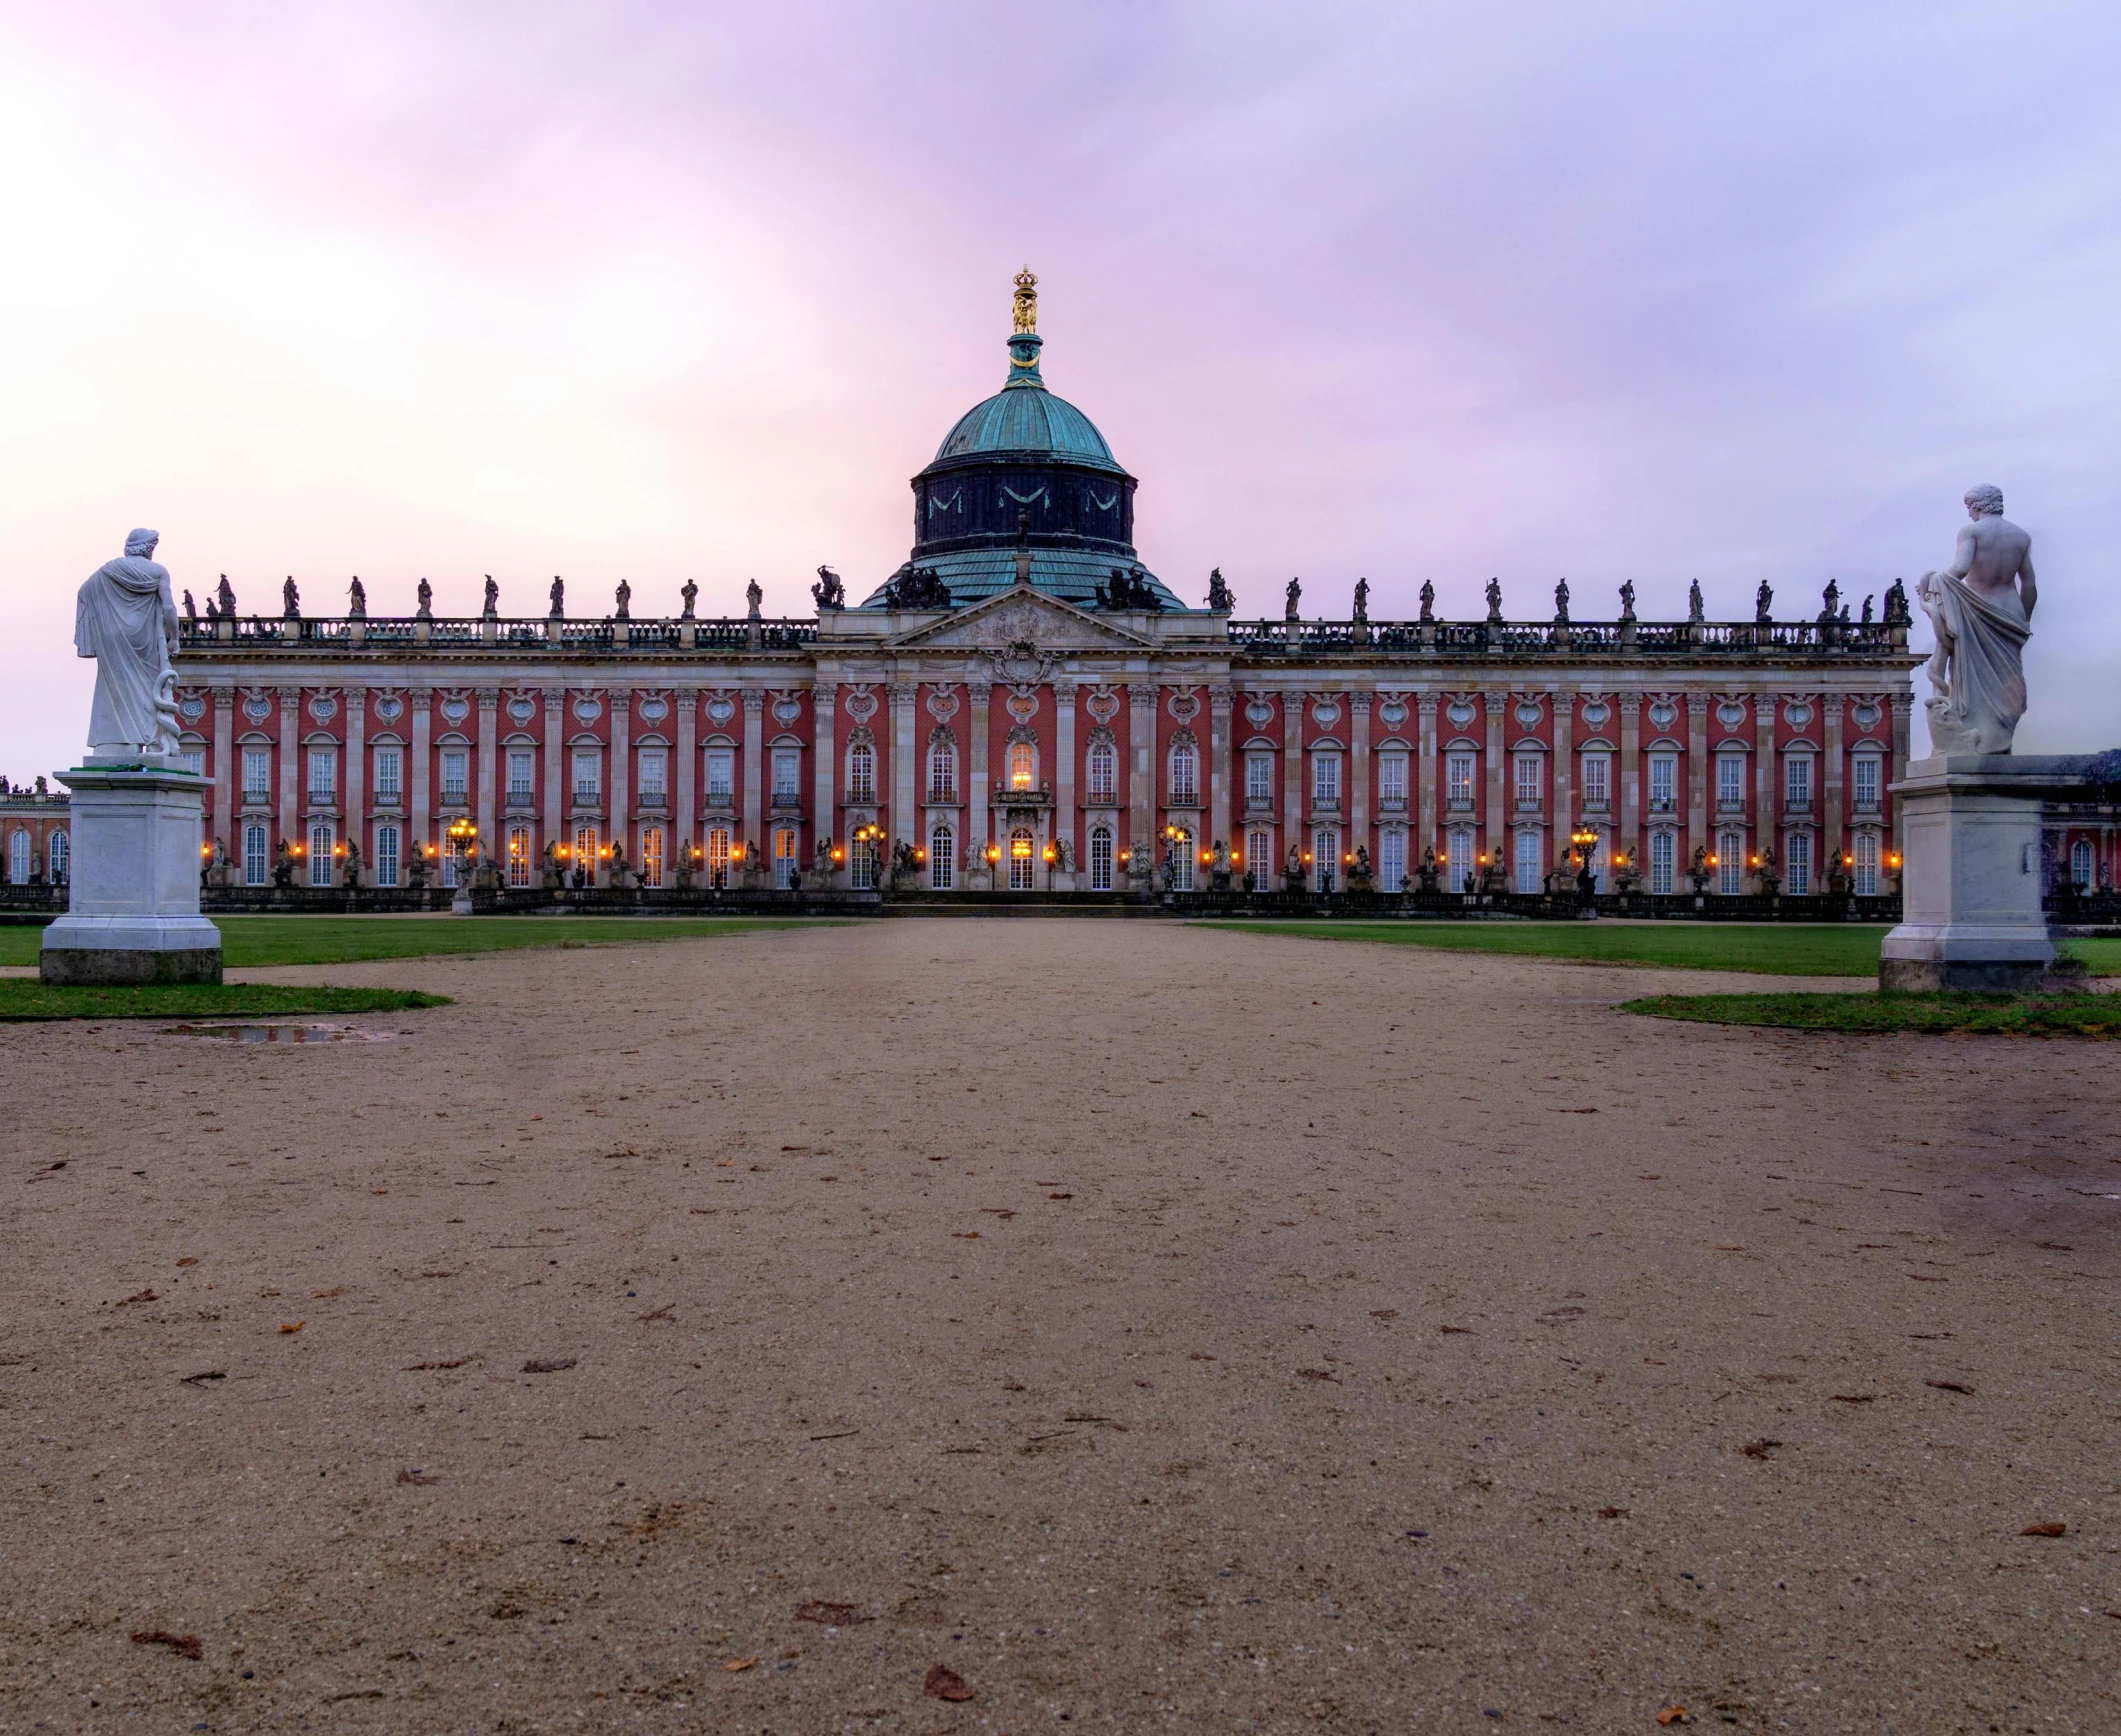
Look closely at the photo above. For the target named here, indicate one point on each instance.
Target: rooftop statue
(290, 599)
(1982, 609)
(126, 620)
(1292, 597)
(558, 599)
(1763, 603)
(1219, 597)
(830, 591)
(492, 604)
(357, 599)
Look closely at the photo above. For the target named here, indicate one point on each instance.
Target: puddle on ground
(263, 1031)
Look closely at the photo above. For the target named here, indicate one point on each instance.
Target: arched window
(861, 772)
(942, 768)
(58, 853)
(2080, 861)
(519, 856)
(1023, 766)
(1023, 864)
(718, 856)
(1181, 858)
(1100, 858)
(1185, 772)
(783, 856)
(386, 854)
(1104, 772)
(18, 857)
(456, 861)
(942, 857)
(651, 856)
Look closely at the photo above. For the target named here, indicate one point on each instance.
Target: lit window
(1797, 864)
(1259, 779)
(1325, 780)
(1464, 860)
(655, 775)
(1868, 780)
(586, 853)
(942, 857)
(1023, 766)
(1531, 861)
(1392, 781)
(1730, 862)
(1458, 780)
(257, 869)
(717, 855)
(864, 863)
(1023, 869)
(1325, 857)
(651, 864)
(522, 773)
(861, 772)
(1185, 773)
(1664, 782)
(1730, 780)
(1529, 767)
(323, 775)
(456, 774)
(1104, 772)
(1866, 864)
(588, 775)
(1181, 859)
(1797, 782)
(1100, 858)
(257, 774)
(783, 856)
(519, 857)
(942, 770)
(1392, 860)
(787, 774)
(1597, 780)
(322, 846)
(390, 774)
(1660, 862)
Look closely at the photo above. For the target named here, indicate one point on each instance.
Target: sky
(669, 291)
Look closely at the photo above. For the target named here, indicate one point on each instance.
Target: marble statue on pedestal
(126, 620)
(1982, 609)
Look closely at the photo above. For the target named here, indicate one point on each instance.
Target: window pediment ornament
(1731, 710)
(787, 708)
(861, 702)
(943, 701)
(588, 707)
(1664, 710)
(1325, 709)
(192, 706)
(1103, 704)
(1184, 704)
(456, 705)
(1023, 705)
(1458, 708)
(1595, 710)
(1528, 710)
(324, 705)
(1866, 712)
(522, 705)
(653, 707)
(1260, 710)
(1797, 710)
(257, 704)
(1392, 712)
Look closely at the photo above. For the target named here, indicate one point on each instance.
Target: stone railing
(1772, 639)
(544, 635)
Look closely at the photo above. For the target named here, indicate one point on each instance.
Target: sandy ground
(1163, 1329)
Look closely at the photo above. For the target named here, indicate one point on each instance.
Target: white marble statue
(1982, 609)
(126, 620)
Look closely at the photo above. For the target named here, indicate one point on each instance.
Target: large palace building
(1023, 706)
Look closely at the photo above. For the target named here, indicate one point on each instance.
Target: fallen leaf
(1674, 1715)
(2046, 1528)
(1928, 1278)
(736, 1664)
(1759, 1449)
(293, 1325)
(419, 1479)
(1575, 1112)
(192, 1260)
(1613, 1513)
(1729, 1248)
(1001, 1212)
(966, 1235)
(209, 1374)
(662, 1313)
(2052, 1247)
(1854, 1397)
(320, 1295)
(417, 1367)
(1198, 1356)
(1318, 1374)
(1466, 1329)
(831, 1614)
(1384, 1313)
(184, 1645)
(1950, 1386)
(539, 1365)
(139, 1296)
(944, 1683)
(1060, 1196)
(1562, 1316)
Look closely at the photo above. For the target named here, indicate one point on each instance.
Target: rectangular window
(1104, 774)
(1100, 859)
(787, 774)
(721, 776)
(323, 845)
(456, 774)
(588, 777)
(1259, 779)
(1530, 766)
(1597, 780)
(1458, 781)
(1531, 862)
(519, 855)
(1661, 863)
(1730, 781)
(1868, 783)
(1866, 864)
(390, 776)
(1325, 780)
(1185, 773)
(652, 856)
(522, 773)
(1730, 862)
(256, 868)
(655, 776)
(1464, 861)
(1325, 858)
(257, 774)
(1797, 783)
(1392, 861)
(942, 771)
(861, 772)
(1664, 783)
(1392, 781)
(386, 855)
(1797, 864)
(323, 776)
(717, 855)
(588, 852)
(1259, 857)
(193, 762)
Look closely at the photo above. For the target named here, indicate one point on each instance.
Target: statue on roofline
(1428, 601)
(1763, 601)
(1291, 598)
(829, 592)
(1561, 602)
(492, 605)
(426, 595)
(623, 598)
(1219, 598)
(356, 600)
(558, 596)
(688, 594)
(290, 599)
(1362, 602)
(1627, 599)
(1696, 613)
(227, 595)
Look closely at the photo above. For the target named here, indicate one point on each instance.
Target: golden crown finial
(1026, 301)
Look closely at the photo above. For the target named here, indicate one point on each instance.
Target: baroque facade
(1022, 706)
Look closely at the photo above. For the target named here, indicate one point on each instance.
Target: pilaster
(621, 787)
(1065, 818)
(489, 710)
(1564, 701)
(1292, 776)
(686, 700)
(824, 709)
(1359, 773)
(1697, 772)
(225, 770)
(420, 700)
(1766, 810)
(1903, 709)
(357, 781)
(1494, 706)
(1141, 784)
(1631, 839)
(555, 767)
(754, 821)
(905, 816)
(1832, 801)
(287, 821)
(979, 700)
(1221, 767)
(1425, 773)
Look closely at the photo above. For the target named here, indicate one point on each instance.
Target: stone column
(905, 812)
(1697, 774)
(555, 769)
(1494, 705)
(1564, 772)
(1221, 767)
(288, 821)
(1903, 708)
(979, 699)
(824, 816)
(419, 815)
(1359, 775)
(1832, 808)
(224, 771)
(1292, 778)
(357, 780)
(1141, 788)
(489, 702)
(1064, 816)
(1425, 771)
(687, 702)
(1631, 839)
(621, 790)
(754, 823)
(1766, 834)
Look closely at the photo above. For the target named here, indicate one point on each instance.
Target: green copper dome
(1024, 417)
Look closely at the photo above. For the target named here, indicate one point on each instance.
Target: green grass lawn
(1771, 948)
(2076, 1015)
(21, 998)
(264, 940)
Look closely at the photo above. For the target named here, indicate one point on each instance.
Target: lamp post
(1584, 840)
(463, 837)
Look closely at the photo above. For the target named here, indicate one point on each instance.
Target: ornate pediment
(1022, 629)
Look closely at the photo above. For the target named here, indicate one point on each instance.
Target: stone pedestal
(133, 894)
(1970, 890)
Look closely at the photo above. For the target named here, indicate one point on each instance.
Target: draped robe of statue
(1982, 621)
(126, 619)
